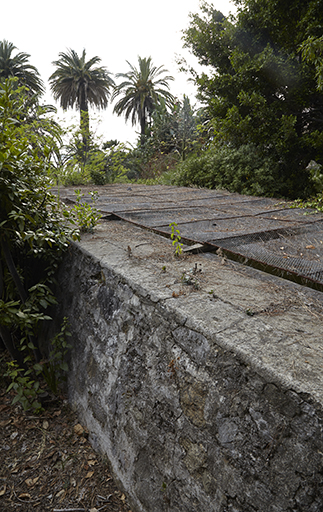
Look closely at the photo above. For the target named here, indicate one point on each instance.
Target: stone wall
(187, 422)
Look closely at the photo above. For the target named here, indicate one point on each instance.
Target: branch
(69, 510)
(21, 291)
(10, 346)
(4, 331)
(13, 270)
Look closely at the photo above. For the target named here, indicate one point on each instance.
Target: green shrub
(34, 235)
(82, 214)
(244, 170)
(74, 176)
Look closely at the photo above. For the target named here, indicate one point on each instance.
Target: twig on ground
(69, 510)
(102, 498)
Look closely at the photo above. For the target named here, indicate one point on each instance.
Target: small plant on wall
(85, 216)
(176, 237)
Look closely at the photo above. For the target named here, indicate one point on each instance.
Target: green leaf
(64, 366)
(16, 399)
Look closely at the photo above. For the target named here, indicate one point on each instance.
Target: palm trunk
(85, 120)
(85, 126)
(142, 130)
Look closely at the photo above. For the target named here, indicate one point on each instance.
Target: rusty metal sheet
(262, 232)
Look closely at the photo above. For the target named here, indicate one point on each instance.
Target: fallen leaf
(57, 413)
(24, 496)
(89, 474)
(17, 421)
(92, 462)
(4, 423)
(93, 510)
(3, 490)
(45, 425)
(78, 429)
(31, 481)
(310, 247)
(50, 454)
(123, 498)
(4, 407)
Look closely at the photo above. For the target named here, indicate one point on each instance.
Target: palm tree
(77, 82)
(142, 91)
(19, 67)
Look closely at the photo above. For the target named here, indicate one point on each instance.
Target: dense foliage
(18, 66)
(174, 133)
(32, 234)
(244, 170)
(175, 130)
(258, 89)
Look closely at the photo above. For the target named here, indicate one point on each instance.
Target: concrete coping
(271, 324)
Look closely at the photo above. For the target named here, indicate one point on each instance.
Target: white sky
(115, 31)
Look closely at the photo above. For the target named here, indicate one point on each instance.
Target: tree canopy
(78, 82)
(18, 66)
(257, 87)
(142, 90)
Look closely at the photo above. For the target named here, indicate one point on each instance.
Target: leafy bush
(243, 170)
(26, 388)
(258, 91)
(95, 162)
(316, 175)
(315, 202)
(85, 216)
(33, 232)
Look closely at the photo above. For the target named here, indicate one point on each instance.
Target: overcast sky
(115, 31)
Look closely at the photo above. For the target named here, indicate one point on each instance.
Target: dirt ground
(47, 462)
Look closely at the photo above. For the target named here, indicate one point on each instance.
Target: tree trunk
(85, 127)
(142, 129)
(84, 119)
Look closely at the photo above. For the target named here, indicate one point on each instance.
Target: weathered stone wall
(187, 423)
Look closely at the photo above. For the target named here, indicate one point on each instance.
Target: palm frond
(141, 91)
(18, 66)
(76, 82)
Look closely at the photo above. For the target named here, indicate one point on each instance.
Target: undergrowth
(31, 381)
(315, 203)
